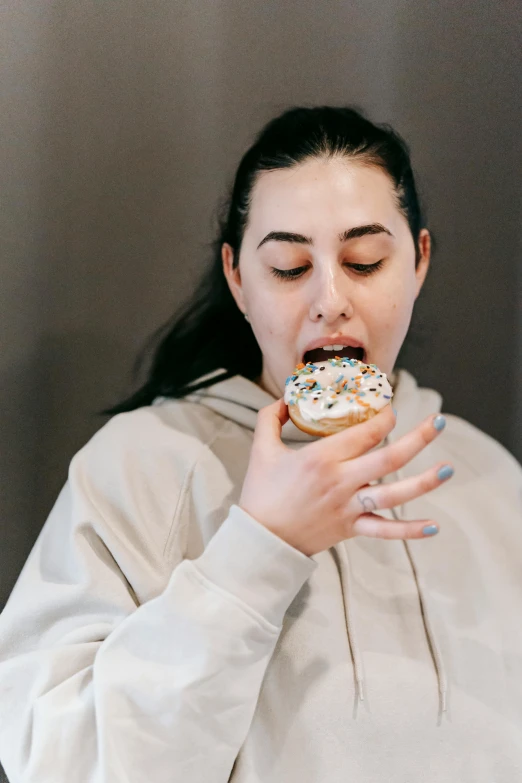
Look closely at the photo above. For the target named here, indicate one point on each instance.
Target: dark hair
(197, 340)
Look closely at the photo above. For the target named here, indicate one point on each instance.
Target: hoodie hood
(240, 399)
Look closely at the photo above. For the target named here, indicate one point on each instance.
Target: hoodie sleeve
(100, 686)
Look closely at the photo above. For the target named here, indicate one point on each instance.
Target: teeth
(338, 347)
(333, 347)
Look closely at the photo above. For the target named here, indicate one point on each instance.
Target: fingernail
(393, 409)
(445, 472)
(439, 422)
(430, 530)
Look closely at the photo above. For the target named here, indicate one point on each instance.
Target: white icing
(366, 385)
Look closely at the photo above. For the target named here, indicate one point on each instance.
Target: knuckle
(374, 433)
(428, 481)
(260, 420)
(426, 435)
(411, 531)
(311, 463)
(317, 470)
(397, 531)
(427, 429)
(389, 460)
(265, 411)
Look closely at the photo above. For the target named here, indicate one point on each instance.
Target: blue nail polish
(445, 472)
(430, 530)
(439, 422)
(395, 412)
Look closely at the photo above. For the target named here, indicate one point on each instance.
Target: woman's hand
(319, 495)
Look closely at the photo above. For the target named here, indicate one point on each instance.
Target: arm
(96, 687)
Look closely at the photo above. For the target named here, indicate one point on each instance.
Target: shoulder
(481, 453)
(145, 459)
(179, 430)
(461, 441)
(134, 476)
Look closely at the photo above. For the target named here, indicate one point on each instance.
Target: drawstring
(345, 579)
(435, 650)
(346, 589)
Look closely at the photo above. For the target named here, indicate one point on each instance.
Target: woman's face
(326, 258)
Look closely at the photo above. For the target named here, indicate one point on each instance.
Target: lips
(320, 355)
(337, 345)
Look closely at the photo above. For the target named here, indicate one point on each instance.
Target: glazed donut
(328, 396)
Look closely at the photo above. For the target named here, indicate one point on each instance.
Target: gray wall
(121, 124)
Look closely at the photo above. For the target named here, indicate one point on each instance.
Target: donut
(328, 396)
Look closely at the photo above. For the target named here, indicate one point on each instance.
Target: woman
(210, 598)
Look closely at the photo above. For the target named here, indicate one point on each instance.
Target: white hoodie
(158, 633)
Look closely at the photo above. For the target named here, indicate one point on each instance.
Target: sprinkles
(346, 385)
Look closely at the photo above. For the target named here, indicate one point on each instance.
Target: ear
(233, 276)
(424, 261)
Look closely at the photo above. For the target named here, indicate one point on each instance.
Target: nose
(331, 299)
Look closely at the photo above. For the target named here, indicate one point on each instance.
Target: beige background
(121, 124)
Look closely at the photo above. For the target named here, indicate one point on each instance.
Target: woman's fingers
(373, 498)
(270, 422)
(355, 440)
(391, 458)
(374, 526)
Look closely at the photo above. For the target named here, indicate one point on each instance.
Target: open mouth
(322, 354)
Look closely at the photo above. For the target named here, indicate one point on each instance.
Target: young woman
(218, 596)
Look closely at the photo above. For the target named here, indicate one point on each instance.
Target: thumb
(270, 421)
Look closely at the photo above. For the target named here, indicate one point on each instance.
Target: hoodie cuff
(254, 565)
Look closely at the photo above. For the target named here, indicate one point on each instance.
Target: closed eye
(292, 274)
(366, 269)
(288, 274)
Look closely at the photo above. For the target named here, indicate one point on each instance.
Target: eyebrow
(351, 233)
